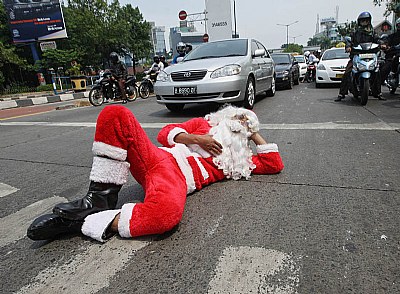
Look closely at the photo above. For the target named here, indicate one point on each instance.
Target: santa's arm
(268, 159)
(196, 126)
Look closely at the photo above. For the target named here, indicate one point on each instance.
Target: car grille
(338, 68)
(184, 76)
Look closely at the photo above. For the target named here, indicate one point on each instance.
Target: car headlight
(162, 76)
(284, 73)
(321, 67)
(226, 71)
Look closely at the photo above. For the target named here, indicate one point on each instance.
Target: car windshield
(335, 54)
(219, 49)
(300, 59)
(281, 58)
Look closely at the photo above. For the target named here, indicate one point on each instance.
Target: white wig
(235, 159)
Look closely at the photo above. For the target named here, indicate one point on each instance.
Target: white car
(331, 67)
(302, 64)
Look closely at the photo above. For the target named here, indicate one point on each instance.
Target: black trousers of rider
(385, 70)
(345, 83)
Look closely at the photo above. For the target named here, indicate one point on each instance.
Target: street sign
(182, 15)
(48, 45)
(205, 38)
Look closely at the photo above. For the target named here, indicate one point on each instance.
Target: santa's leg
(119, 141)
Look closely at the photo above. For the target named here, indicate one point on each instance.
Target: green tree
(294, 48)
(347, 28)
(391, 6)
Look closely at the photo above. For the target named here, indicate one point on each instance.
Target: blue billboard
(35, 20)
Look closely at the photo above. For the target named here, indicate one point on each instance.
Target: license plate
(367, 55)
(185, 90)
(339, 76)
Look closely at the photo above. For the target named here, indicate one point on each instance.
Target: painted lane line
(6, 190)
(254, 270)
(13, 227)
(87, 272)
(379, 126)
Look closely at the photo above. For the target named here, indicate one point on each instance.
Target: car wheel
(250, 95)
(290, 83)
(272, 90)
(175, 107)
(297, 80)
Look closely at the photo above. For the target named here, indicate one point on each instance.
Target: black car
(287, 70)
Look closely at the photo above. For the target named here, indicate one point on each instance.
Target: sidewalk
(37, 99)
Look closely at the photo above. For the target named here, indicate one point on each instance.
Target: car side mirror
(259, 52)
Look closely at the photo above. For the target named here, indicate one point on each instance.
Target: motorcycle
(365, 70)
(146, 86)
(311, 71)
(106, 88)
(393, 79)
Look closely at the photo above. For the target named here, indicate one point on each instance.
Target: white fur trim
(196, 148)
(124, 220)
(106, 170)
(266, 148)
(203, 170)
(103, 149)
(180, 152)
(96, 224)
(173, 133)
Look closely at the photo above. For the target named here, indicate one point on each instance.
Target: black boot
(100, 197)
(49, 226)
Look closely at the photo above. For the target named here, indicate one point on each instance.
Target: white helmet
(306, 53)
(181, 48)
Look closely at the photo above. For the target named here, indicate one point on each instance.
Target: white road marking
(13, 227)
(254, 270)
(87, 272)
(6, 190)
(378, 126)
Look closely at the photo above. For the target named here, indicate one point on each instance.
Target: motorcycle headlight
(226, 71)
(162, 76)
(321, 67)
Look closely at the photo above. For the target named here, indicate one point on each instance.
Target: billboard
(35, 20)
(219, 19)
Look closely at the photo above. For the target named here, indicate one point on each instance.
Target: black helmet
(113, 57)
(189, 47)
(181, 48)
(162, 58)
(364, 16)
(156, 58)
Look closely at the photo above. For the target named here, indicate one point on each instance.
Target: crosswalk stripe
(378, 126)
(13, 227)
(6, 190)
(254, 270)
(87, 272)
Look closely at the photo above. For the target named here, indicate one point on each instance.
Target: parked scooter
(146, 86)
(106, 88)
(365, 69)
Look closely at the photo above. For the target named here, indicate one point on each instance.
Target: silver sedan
(227, 71)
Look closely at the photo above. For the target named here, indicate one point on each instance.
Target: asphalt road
(329, 223)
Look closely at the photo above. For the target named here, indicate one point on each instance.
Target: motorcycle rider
(391, 63)
(189, 47)
(306, 55)
(364, 33)
(181, 49)
(155, 68)
(118, 68)
(163, 61)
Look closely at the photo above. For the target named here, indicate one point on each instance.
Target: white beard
(235, 160)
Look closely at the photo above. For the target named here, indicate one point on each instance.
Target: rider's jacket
(119, 69)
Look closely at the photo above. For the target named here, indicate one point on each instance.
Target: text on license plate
(367, 55)
(339, 76)
(185, 90)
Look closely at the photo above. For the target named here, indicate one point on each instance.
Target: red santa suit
(167, 173)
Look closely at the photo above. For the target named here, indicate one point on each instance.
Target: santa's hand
(209, 144)
(258, 139)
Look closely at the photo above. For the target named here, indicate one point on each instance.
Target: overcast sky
(259, 18)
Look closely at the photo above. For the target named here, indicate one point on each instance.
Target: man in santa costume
(194, 154)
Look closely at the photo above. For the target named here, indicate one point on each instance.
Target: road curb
(24, 102)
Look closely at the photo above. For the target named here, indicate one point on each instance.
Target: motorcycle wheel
(144, 91)
(364, 91)
(131, 93)
(96, 97)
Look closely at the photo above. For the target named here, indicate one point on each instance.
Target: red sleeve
(267, 163)
(198, 126)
